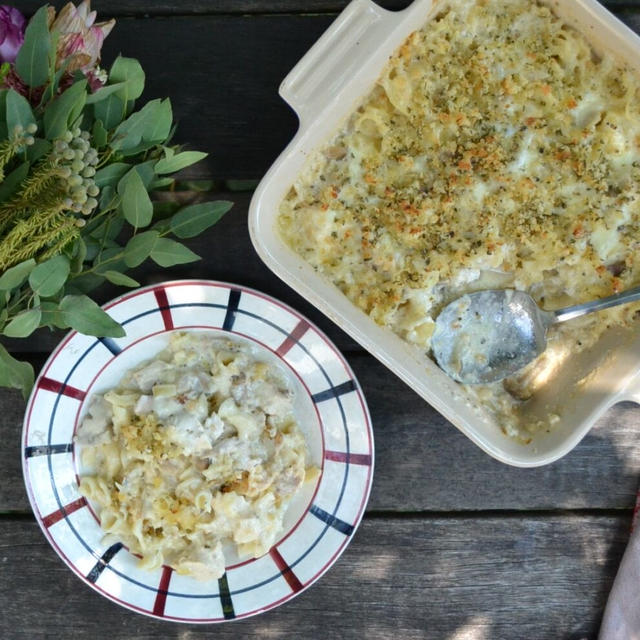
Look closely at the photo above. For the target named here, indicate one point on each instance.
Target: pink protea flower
(12, 25)
(80, 39)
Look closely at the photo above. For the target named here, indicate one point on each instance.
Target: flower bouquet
(79, 165)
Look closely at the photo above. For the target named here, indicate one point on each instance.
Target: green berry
(93, 190)
(32, 128)
(67, 136)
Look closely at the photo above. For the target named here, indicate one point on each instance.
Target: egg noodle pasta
(496, 150)
(195, 449)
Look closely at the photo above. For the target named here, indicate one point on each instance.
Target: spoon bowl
(488, 335)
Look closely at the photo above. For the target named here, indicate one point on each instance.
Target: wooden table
(454, 545)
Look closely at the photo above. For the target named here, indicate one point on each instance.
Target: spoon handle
(568, 313)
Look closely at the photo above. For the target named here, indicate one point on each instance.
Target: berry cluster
(76, 160)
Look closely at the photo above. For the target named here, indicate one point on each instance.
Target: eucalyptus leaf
(167, 253)
(109, 199)
(99, 135)
(193, 220)
(108, 229)
(84, 284)
(93, 248)
(110, 174)
(136, 205)
(15, 374)
(13, 181)
(23, 325)
(32, 62)
(49, 276)
(17, 275)
(79, 255)
(63, 110)
(109, 111)
(52, 86)
(161, 126)
(52, 316)
(179, 161)
(146, 172)
(104, 92)
(149, 125)
(18, 111)
(161, 183)
(129, 75)
(115, 277)
(84, 315)
(139, 248)
(111, 259)
(141, 147)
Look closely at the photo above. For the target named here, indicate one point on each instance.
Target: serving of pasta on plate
(194, 450)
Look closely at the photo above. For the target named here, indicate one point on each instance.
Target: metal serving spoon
(488, 335)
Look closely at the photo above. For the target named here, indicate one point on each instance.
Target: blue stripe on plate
(232, 308)
(110, 345)
(334, 392)
(332, 521)
(225, 598)
(105, 559)
(47, 449)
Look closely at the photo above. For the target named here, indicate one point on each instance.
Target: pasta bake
(497, 150)
(194, 450)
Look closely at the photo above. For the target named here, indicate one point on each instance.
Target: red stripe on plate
(59, 387)
(351, 458)
(299, 330)
(163, 303)
(63, 512)
(163, 587)
(286, 571)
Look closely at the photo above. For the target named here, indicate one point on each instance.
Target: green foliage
(63, 111)
(18, 111)
(192, 221)
(32, 63)
(16, 276)
(49, 276)
(167, 253)
(78, 174)
(82, 314)
(135, 205)
(15, 374)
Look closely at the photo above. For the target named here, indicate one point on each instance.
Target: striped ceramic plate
(332, 411)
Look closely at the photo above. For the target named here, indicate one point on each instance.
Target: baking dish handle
(333, 60)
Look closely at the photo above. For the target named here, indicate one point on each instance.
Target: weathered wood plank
(424, 464)
(409, 578)
(210, 7)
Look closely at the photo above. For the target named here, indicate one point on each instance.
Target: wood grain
(414, 579)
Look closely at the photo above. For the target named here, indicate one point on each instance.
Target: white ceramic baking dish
(324, 88)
